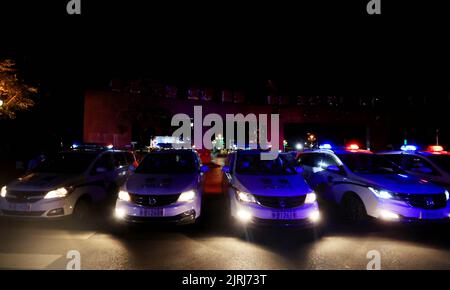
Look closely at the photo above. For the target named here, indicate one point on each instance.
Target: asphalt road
(214, 244)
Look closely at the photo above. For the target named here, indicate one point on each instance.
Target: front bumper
(42, 209)
(409, 214)
(177, 213)
(260, 216)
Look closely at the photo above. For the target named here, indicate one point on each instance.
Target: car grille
(154, 200)
(425, 201)
(281, 201)
(22, 213)
(15, 196)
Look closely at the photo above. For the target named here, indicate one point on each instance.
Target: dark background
(312, 48)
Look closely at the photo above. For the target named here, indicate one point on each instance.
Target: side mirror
(226, 169)
(101, 170)
(204, 168)
(334, 168)
(299, 169)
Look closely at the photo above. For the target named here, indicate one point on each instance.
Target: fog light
(120, 213)
(244, 216)
(315, 216)
(388, 215)
(56, 211)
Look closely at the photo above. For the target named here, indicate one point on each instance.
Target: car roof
(421, 153)
(338, 151)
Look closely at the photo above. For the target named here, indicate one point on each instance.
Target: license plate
(151, 212)
(432, 215)
(19, 206)
(284, 215)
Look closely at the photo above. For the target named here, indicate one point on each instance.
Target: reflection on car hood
(43, 181)
(400, 183)
(272, 185)
(161, 183)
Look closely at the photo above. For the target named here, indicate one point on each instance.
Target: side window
(418, 165)
(105, 164)
(129, 158)
(308, 159)
(230, 161)
(325, 160)
(119, 160)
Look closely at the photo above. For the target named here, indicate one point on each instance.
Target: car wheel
(354, 209)
(82, 210)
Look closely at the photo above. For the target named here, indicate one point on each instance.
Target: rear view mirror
(226, 169)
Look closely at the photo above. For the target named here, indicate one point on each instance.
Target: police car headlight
(186, 196)
(123, 195)
(381, 193)
(245, 196)
(3, 192)
(310, 198)
(57, 193)
(447, 194)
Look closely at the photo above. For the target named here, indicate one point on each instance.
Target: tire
(82, 211)
(354, 210)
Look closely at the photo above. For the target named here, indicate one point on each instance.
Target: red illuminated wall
(102, 122)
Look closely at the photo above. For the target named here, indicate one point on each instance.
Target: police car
(365, 184)
(432, 164)
(268, 192)
(68, 184)
(165, 187)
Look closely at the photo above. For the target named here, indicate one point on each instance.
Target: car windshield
(252, 164)
(369, 164)
(67, 163)
(443, 161)
(168, 163)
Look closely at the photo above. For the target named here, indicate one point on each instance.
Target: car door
(102, 174)
(322, 179)
(227, 176)
(308, 162)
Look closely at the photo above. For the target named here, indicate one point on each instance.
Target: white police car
(432, 164)
(365, 184)
(165, 187)
(67, 184)
(268, 192)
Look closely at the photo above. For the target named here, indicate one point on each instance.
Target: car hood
(400, 183)
(161, 184)
(43, 181)
(272, 185)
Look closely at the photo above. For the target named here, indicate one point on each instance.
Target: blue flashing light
(75, 146)
(408, 148)
(325, 146)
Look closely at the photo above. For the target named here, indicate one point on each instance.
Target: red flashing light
(353, 147)
(435, 148)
